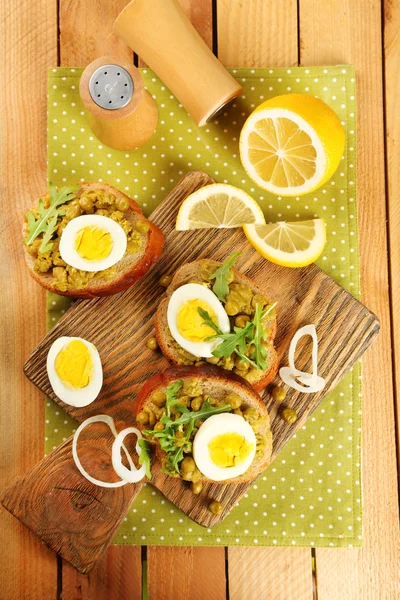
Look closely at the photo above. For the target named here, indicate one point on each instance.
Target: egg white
(192, 291)
(213, 427)
(71, 256)
(75, 397)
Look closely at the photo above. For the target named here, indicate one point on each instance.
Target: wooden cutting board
(78, 519)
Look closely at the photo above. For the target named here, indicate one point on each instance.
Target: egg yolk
(93, 243)
(74, 365)
(229, 449)
(190, 324)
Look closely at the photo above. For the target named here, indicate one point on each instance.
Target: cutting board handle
(68, 512)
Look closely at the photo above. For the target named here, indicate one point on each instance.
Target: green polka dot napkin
(311, 494)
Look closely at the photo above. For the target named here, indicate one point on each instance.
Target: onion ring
(311, 381)
(110, 422)
(132, 475)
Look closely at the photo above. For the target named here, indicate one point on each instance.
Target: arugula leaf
(239, 341)
(260, 352)
(208, 321)
(46, 222)
(171, 392)
(222, 276)
(174, 439)
(144, 458)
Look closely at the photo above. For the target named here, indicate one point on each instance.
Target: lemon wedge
(218, 205)
(291, 144)
(294, 244)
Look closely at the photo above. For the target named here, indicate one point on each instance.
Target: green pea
(142, 418)
(289, 415)
(158, 398)
(278, 393)
(196, 487)
(187, 465)
(86, 204)
(142, 226)
(165, 280)
(234, 400)
(241, 320)
(215, 507)
(122, 204)
(231, 308)
(152, 343)
(197, 403)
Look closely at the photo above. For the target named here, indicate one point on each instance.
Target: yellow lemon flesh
(93, 243)
(218, 206)
(229, 449)
(190, 324)
(74, 365)
(290, 244)
(292, 144)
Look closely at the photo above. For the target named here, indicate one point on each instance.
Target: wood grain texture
(257, 33)
(261, 34)
(117, 576)
(200, 13)
(76, 518)
(28, 42)
(351, 32)
(345, 329)
(392, 93)
(86, 31)
(278, 573)
(179, 573)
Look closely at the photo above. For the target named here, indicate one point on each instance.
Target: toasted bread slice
(189, 273)
(128, 270)
(217, 383)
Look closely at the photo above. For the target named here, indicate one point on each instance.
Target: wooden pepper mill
(121, 113)
(160, 33)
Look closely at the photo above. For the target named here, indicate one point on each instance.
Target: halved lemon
(296, 244)
(218, 206)
(292, 144)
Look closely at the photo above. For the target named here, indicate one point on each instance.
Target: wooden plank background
(37, 34)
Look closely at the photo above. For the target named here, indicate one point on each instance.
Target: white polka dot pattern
(311, 494)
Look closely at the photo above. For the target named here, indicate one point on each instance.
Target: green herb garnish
(175, 437)
(222, 277)
(144, 458)
(46, 223)
(241, 338)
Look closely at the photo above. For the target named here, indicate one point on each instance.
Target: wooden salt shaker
(160, 33)
(121, 113)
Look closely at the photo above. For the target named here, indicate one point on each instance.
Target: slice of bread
(218, 383)
(128, 270)
(189, 273)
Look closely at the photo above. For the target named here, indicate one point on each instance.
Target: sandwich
(206, 424)
(88, 241)
(214, 314)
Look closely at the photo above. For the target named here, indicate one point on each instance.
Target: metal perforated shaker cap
(111, 87)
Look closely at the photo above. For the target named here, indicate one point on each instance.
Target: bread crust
(212, 375)
(124, 279)
(160, 323)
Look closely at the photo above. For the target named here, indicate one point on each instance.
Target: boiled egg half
(187, 326)
(224, 447)
(74, 370)
(92, 243)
